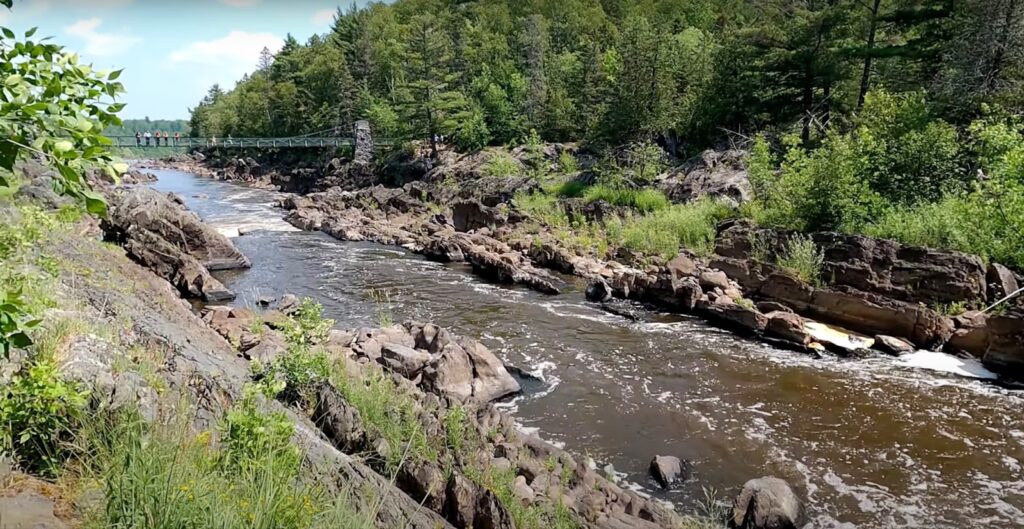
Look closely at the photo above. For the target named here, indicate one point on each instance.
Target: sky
(172, 51)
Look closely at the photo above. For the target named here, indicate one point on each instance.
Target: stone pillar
(363, 143)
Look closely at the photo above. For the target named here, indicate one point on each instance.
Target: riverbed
(873, 443)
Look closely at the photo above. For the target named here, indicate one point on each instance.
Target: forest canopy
(682, 73)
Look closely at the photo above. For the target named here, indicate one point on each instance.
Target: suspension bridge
(241, 143)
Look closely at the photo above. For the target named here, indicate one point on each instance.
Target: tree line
(681, 73)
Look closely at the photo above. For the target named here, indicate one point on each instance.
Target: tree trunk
(808, 104)
(865, 78)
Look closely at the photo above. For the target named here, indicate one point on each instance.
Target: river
(871, 443)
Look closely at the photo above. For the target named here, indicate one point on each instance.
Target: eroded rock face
(158, 232)
(470, 215)
(714, 173)
(766, 503)
(875, 266)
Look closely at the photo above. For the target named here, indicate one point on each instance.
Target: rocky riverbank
(437, 454)
(875, 294)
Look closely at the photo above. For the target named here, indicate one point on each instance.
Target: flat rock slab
(28, 510)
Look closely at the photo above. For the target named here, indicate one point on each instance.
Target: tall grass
(644, 200)
(688, 225)
(164, 476)
(803, 259)
(500, 164)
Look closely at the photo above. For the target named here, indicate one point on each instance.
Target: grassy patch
(688, 225)
(644, 200)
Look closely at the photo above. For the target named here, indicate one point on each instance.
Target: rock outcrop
(158, 232)
(718, 174)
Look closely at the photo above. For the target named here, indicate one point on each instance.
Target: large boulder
(466, 369)
(143, 208)
(1001, 282)
(157, 231)
(714, 173)
(468, 215)
(668, 470)
(766, 503)
(741, 317)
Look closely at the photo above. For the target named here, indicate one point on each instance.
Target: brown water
(870, 443)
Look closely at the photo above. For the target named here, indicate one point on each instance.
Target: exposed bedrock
(160, 233)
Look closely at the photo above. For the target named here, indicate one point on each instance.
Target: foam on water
(946, 363)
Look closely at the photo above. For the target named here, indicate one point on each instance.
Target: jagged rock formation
(158, 232)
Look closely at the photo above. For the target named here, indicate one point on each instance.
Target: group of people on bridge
(139, 137)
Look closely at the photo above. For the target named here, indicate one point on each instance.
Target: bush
(567, 163)
(988, 222)
(572, 189)
(689, 225)
(39, 413)
(803, 259)
(542, 207)
(250, 435)
(500, 165)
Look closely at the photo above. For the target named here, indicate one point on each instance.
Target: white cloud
(240, 3)
(324, 16)
(97, 43)
(238, 48)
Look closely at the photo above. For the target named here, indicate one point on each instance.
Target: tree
(428, 94)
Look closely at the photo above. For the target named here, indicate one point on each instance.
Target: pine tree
(428, 94)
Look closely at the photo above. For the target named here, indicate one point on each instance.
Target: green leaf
(95, 203)
(114, 74)
(63, 146)
(7, 33)
(31, 32)
(19, 340)
(8, 154)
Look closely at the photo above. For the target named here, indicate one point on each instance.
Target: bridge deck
(240, 143)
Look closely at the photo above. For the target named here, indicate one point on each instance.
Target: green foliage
(644, 200)
(249, 434)
(803, 259)
(389, 412)
(688, 225)
(308, 326)
(53, 107)
(500, 165)
(39, 413)
(541, 206)
(164, 476)
(567, 163)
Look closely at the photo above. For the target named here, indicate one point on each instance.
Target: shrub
(988, 222)
(542, 207)
(250, 434)
(803, 259)
(567, 163)
(500, 164)
(308, 326)
(39, 413)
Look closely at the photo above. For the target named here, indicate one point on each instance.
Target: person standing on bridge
(177, 138)
(165, 139)
(147, 136)
(138, 139)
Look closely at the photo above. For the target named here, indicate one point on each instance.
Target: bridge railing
(237, 143)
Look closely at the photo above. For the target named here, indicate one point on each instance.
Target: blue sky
(172, 51)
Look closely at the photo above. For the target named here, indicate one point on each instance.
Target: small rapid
(921, 441)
